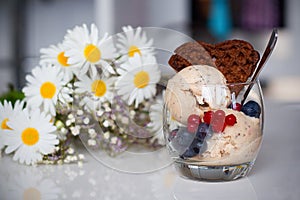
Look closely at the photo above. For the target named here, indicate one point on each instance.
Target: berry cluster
(191, 140)
(204, 129)
(218, 120)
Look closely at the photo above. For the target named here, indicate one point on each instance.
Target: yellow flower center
(62, 59)
(132, 50)
(141, 79)
(99, 88)
(4, 125)
(47, 90)
(30, 136)
(92, 53)
(32, 194)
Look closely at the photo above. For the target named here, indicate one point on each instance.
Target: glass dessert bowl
(212, 132)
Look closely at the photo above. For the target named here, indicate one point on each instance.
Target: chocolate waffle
(236, 59)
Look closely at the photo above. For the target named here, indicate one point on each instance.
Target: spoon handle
(268, 51)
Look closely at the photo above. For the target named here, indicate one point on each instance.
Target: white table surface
(275, 175)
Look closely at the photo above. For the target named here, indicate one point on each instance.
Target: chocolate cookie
(188, 54)
(236, 59)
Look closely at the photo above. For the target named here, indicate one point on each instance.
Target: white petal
(13, 147)
(46, 149)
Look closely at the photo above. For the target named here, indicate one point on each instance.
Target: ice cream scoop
(237, 144)
(194, 90)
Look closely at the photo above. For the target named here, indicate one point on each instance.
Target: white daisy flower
(156, 115)
(97, 90)
(138, 79)
(134, 41)
(7, 112)
(55, 54)
(135, 62)
(86, 50)
(31, 136)
(45, 86)
(156, 124)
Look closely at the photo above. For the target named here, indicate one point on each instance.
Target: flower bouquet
(104, 89)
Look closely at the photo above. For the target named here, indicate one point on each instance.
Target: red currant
(192, 127)
(218, 126)
(207, 116)
(224, 126)
(218, 121)
(193, 119)
(219, 115)
(237, 106)
(230, 120)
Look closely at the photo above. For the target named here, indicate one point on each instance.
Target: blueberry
(183, 137)
(190, 152)
(204, 132)
(198, 144)
(252, 109)
(197, 147)
(182, 140)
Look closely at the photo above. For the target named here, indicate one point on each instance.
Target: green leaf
(12, 96)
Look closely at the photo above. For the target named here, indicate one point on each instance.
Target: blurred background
(28, 25)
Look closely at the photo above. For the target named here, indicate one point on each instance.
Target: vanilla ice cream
(237, 144)
(194, 90)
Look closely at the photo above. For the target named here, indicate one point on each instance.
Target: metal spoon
(268, 51)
